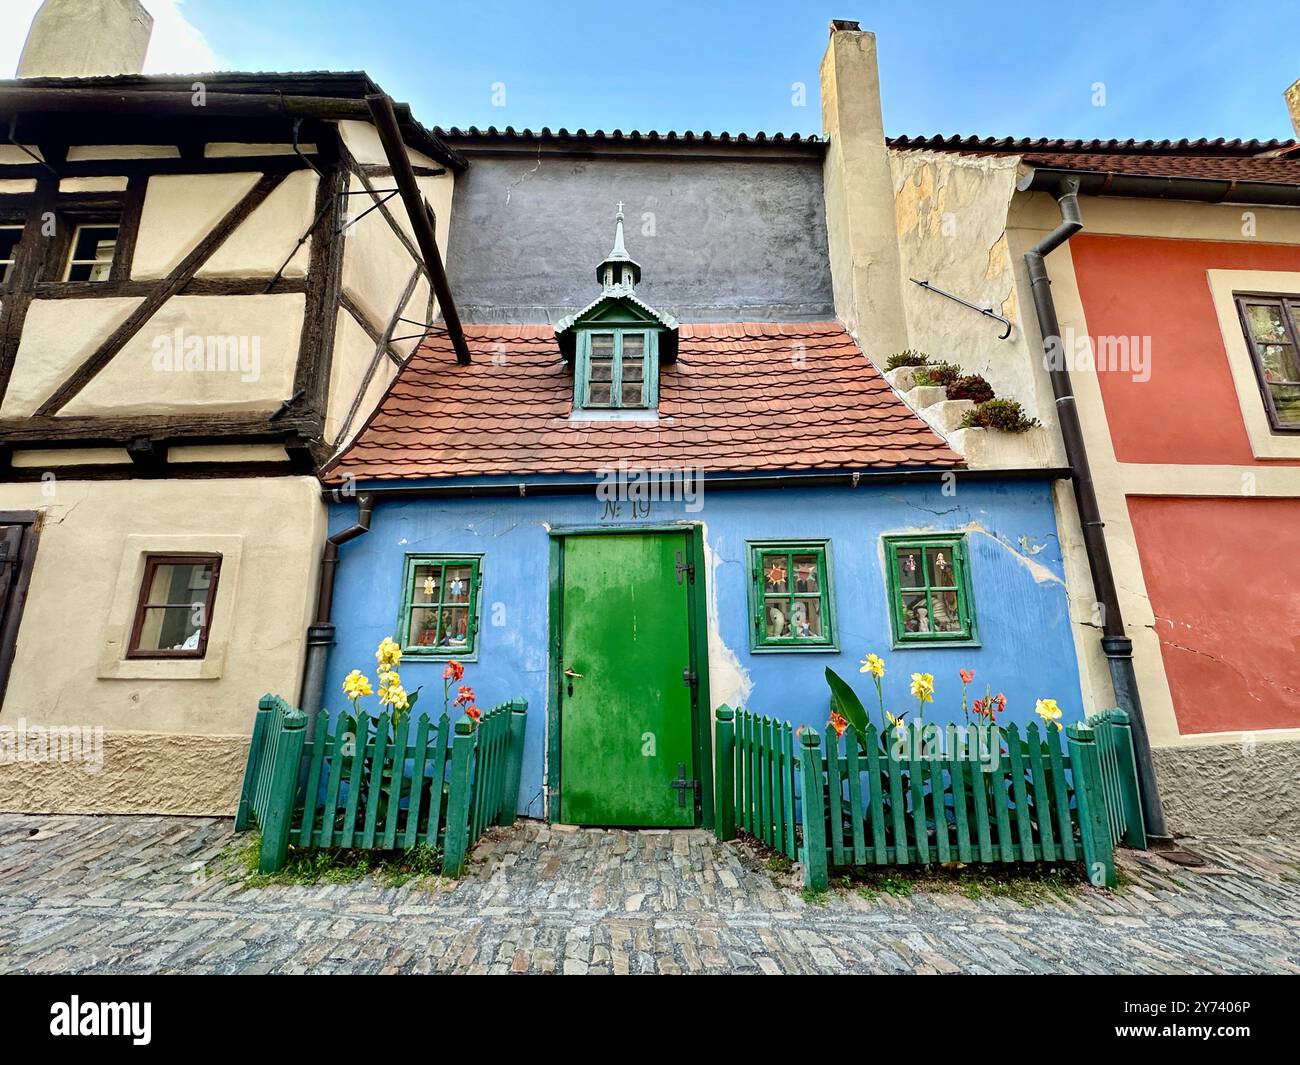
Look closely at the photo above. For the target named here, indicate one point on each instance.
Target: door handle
(571, 674)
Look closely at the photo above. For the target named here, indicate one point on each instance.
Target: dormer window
(616, 343)
(617, 369)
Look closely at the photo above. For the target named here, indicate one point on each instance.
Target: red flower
(967, 675)
(838, 722)
(454, 671)
(473, 712)
(466, 696)
(1001, 701)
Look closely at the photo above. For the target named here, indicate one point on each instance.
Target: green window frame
(622, 359)
(438, 619)
(929, 586)
(794, 602)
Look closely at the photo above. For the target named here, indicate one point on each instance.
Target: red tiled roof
(1265, 161)
(741, 397)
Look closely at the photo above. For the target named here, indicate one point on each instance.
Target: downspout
(320, 633)
(1115, 642)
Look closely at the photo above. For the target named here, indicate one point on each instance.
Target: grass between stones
(308, 867)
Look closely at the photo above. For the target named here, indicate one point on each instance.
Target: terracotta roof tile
(741, 397)
(1271, 161)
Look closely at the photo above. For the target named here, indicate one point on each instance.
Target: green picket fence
(1113, 735)
(840, 802)
(366, 785)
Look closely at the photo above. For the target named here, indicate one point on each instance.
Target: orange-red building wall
(1188, 412)
(1224, 580)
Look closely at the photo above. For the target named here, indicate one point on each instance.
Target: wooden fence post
(284, 788)
(515, 760)
(456, 840)
(1094, 822)
(1134, 824)
(243, 814)
(724, 774)
(813, 807)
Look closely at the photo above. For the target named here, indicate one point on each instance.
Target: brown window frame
(1281, 300)
(151, 564)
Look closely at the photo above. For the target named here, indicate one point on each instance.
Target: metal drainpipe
(320, 633)
(1115, 643)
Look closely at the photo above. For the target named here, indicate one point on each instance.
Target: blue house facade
(629, 520)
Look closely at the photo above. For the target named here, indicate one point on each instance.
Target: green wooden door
(625, 709)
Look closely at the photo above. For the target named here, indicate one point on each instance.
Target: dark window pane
(633, 345)
(1286, 401)
(938, 562)
(92, 253)
(457, 590)
(9, 238)
(455, 627)
(805, 574)
(1266, 323)
(909, 567)
(424, 628)
(171, 628)
(776, 619)
(602, 345)
(916, 614)
(428, 585)
(944, 610)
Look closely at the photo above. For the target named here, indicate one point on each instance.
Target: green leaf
(845, 701)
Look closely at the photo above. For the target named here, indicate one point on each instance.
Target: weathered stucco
(86, 580)
(142, 772)
(718, 240)
(1238, 789)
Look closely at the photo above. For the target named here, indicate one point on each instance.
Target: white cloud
(176, 46)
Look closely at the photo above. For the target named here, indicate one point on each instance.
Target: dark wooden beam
(242, 164)
(198, 286)
(385, 119)
(38, 432)
(164, 290)
(324, 287)
(23, 277)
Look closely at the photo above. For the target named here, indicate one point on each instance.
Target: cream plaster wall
(179, 211)
(58, 336)
(134, 382)
(86, 577)
(353, 353)
(268, 236)
(363, 142)
(80, 153)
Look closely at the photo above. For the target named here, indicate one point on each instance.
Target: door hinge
(687, 568)
(689, 678)
(682, 785)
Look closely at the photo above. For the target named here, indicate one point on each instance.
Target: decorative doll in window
(909, 569)
(801, 626)
(776, 624)
(922, 618)
(945, 612)
(941, 569)
(428, 634)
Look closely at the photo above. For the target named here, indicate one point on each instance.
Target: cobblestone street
(146, 894)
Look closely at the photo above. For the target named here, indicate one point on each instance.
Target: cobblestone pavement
(146, 894)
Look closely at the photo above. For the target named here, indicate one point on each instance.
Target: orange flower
(454, 671)
(967, 675)
(466, 695)
(473, 712)
(838, 722)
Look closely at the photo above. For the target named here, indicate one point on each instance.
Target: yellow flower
(388, 654)
(356, 684)
(873, 664)
(923, 687)
(391, 692)
(894, 722)
(1049, 711)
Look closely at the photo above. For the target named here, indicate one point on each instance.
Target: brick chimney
(86, 39)
(861, 229)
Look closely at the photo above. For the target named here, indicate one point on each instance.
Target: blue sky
(1169, 69)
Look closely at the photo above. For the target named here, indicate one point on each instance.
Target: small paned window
(440, 605)
(929, 590)
(790, 596)
(1271, 324)
(617, 370)
(91, 255)
(174, 614)
(9, 238)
